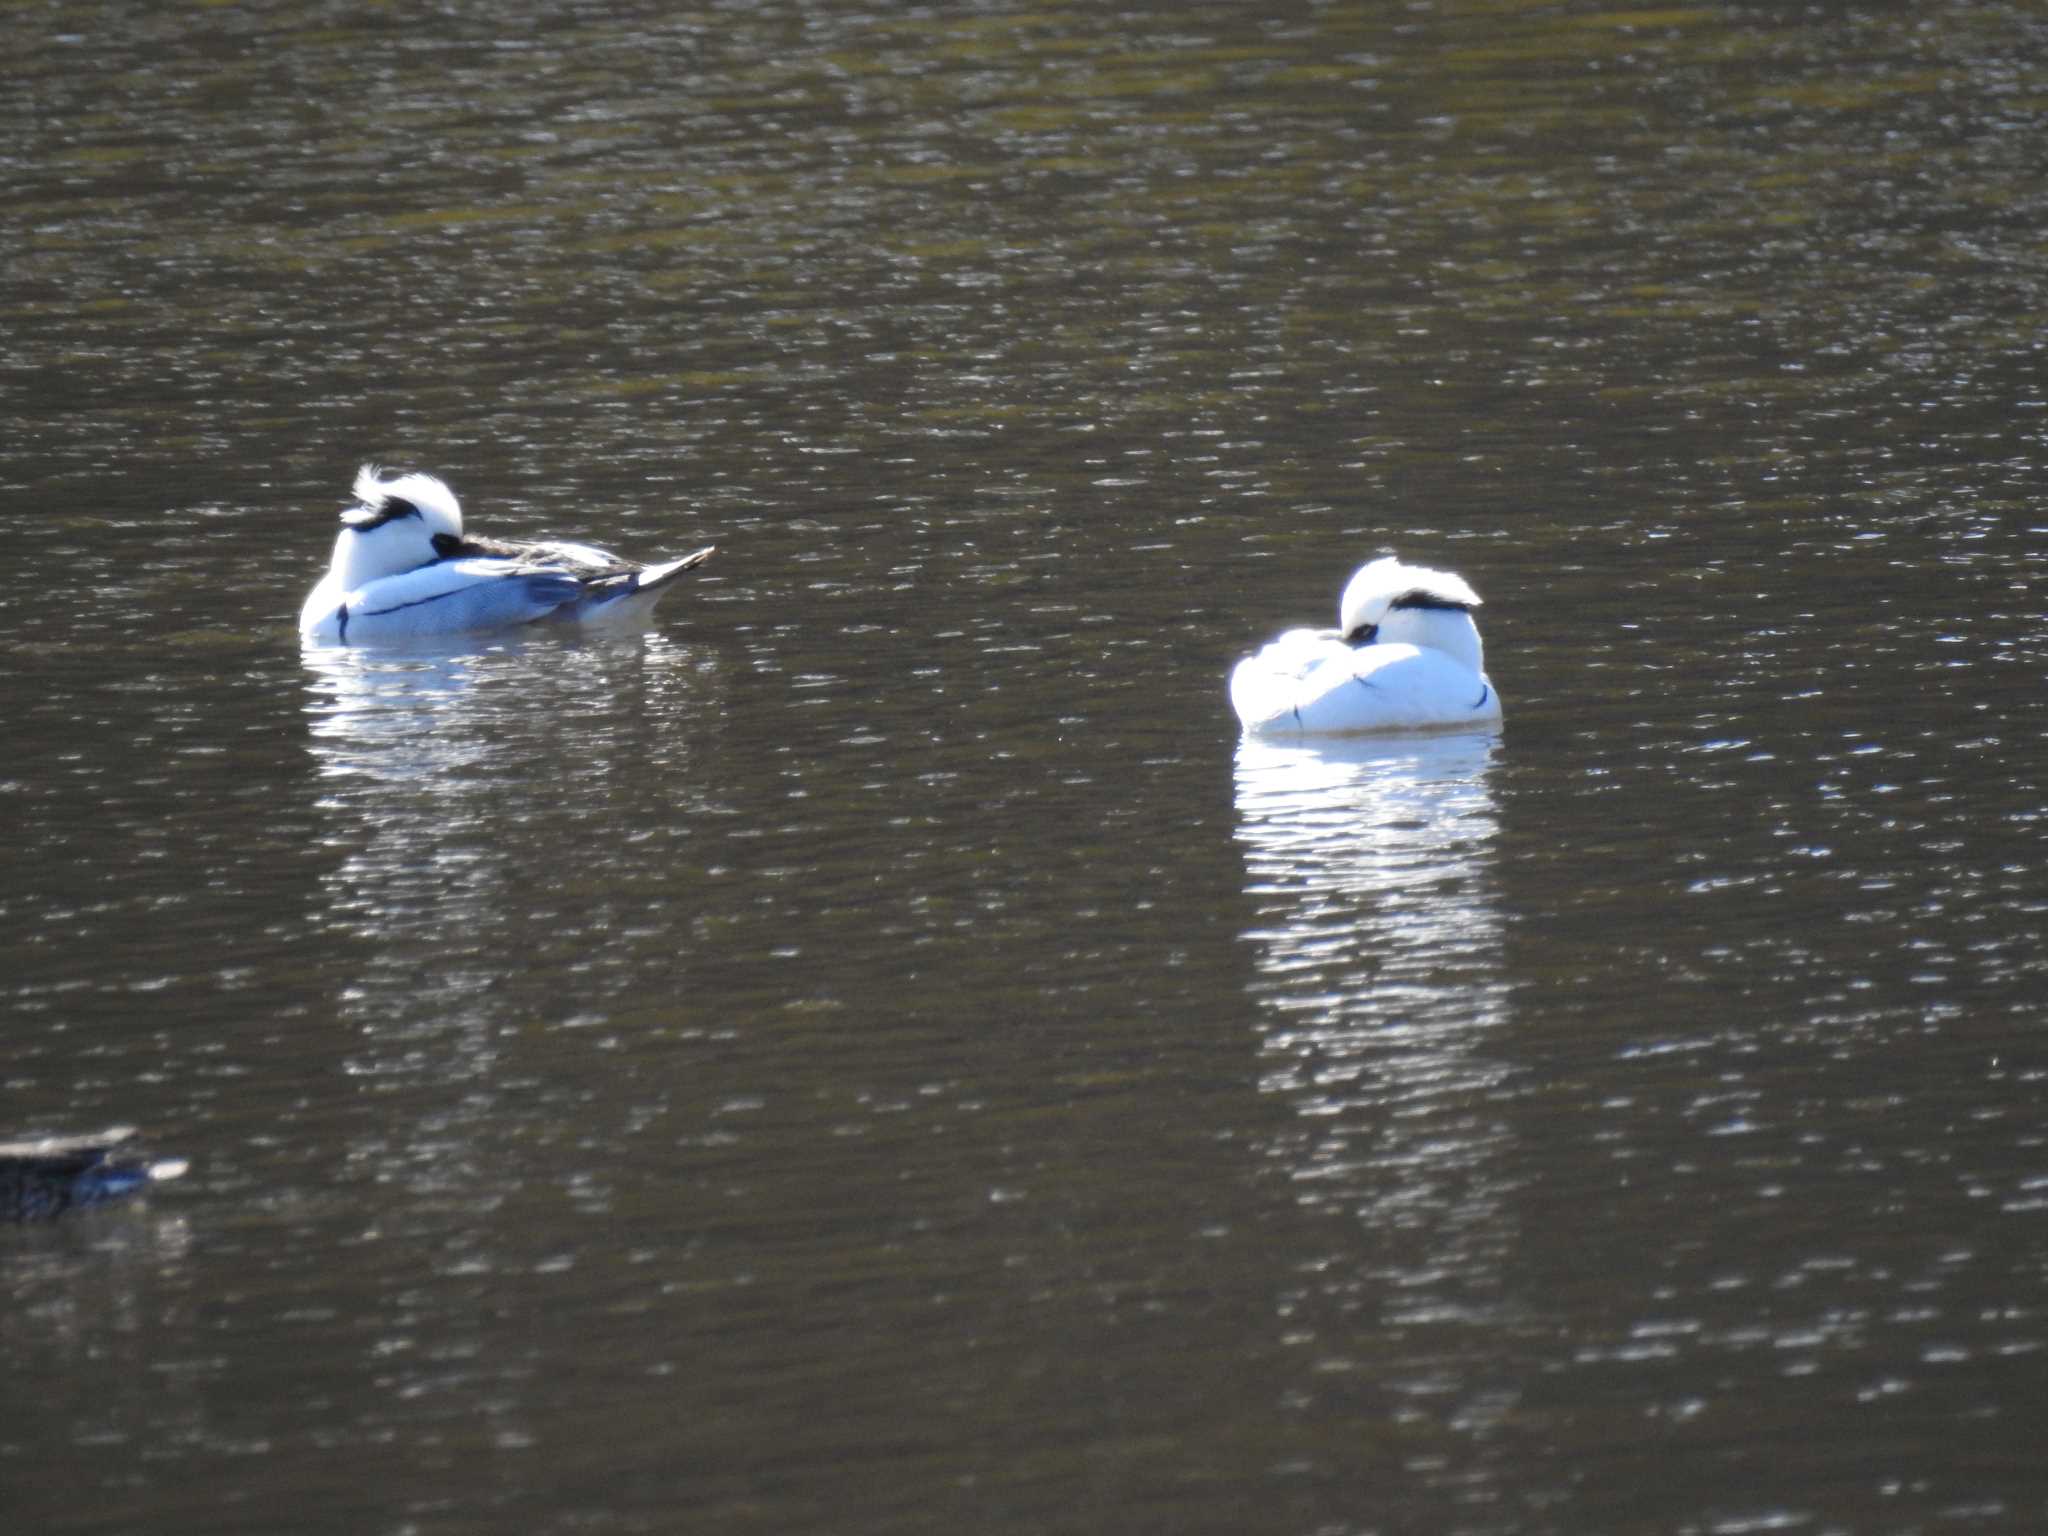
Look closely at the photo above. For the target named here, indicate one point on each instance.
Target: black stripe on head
(364, 519)
(1418, 598)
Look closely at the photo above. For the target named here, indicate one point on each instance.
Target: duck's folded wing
(584, 560)
(445, 598)
(1266, 686)
(1389, 688)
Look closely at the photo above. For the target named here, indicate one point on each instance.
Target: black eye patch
(363, 519)
(1421, 599)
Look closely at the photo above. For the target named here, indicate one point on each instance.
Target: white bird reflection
(374, 712)
(406, 740)
(471, 789)
(505, 822)
(1370, 857)
(1379, 978)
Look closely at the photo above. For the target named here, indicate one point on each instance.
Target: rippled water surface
(876, 1053)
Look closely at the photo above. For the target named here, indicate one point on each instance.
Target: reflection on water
(88, 1357)
(505, 813)
(1373, 854)
(1379, 947)
(373, 712)
(405, 742)
(1380, 986)
(500, 807)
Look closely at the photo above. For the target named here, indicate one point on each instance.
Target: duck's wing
(1265, 687)
(1387, 688)
(585, 561)
(445, 598)
(612, 592)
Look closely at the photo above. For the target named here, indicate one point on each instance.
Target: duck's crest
(369, 487)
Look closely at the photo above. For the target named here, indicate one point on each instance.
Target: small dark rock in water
(45, 1178)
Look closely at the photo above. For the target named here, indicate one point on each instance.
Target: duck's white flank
(403, 568)
(1406, 656)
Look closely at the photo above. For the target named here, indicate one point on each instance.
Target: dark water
(876, 1054)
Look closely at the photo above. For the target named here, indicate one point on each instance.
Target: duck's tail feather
(629, 599)
(656, 576)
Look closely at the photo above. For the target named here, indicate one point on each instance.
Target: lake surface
(876, 1053)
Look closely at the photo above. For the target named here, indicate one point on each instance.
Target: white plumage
(1406, 656)
(403, 568)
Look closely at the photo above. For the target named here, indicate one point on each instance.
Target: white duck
(1405, 656)
(403, 568)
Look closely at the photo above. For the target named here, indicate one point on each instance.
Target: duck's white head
(393, 526)
(1387, 602)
